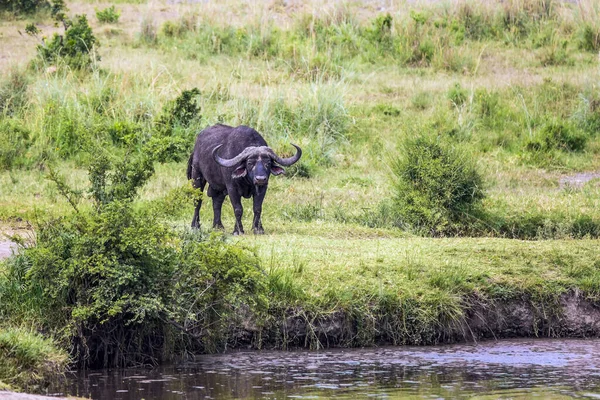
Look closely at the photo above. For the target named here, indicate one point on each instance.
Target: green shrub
(555, 54)
(27, 360)
(15, 140)
(121, 287)
(387, 109)
(108, 16)
(381, 30)
(23, 6)
(589, 38)
(19, 7)
(124, 133)
(75, 48)
(171, 29)
(174, 131)
(558, 135)
(435, 186)
(457, 95)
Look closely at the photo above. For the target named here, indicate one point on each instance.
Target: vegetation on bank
(460, 123)
(29, 360)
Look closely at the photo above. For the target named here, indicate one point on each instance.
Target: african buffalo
(235, 162)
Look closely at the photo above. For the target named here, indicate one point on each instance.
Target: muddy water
(503, 369)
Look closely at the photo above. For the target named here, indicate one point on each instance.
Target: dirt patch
(578, 180)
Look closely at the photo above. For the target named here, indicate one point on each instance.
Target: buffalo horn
(232, 162)
(286, 162)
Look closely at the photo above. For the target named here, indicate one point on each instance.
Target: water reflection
(505, 369)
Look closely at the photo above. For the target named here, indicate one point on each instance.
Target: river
(520, 368)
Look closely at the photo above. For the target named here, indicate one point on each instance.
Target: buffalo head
(257, 163)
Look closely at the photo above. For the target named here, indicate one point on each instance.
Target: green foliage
(589, 37)
(15, 141)
(27, 7)
(22, 6)
(215, 284)
(558, 135)
(118, 180)
(174, 128)
(13, 93)
(27, 360)
(108, 16)
(556, 54)
(457, 95)
(76, 48)
(381, 30)
(435, 186)
(123, 287)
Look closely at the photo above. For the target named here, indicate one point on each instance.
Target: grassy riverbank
(511, 89)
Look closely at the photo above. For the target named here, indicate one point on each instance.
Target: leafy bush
(173, 130)
(22, 6)
(121, 286)
(435, 186)
(118, 181)
(381, 30)
(108, 16)
(75, 48)
(558, 135)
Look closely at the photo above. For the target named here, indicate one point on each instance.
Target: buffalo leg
(217, 202)
(236, 202)
(257, 201)
(198, 183)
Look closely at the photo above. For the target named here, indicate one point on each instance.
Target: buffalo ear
(239, 172)
(277, 170)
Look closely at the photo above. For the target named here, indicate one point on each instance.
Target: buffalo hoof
(259, 231)
(237, 233)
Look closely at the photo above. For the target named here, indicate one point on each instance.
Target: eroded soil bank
(572, 316)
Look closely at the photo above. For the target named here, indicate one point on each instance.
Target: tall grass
(28, 360)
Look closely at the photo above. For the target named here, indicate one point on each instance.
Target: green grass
(28, 360)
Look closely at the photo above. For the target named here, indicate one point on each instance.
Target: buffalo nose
(260, 180)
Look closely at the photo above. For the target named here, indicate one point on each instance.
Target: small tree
(75, 48)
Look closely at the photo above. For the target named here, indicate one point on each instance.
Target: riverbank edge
(572, 315)
(575, 316)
